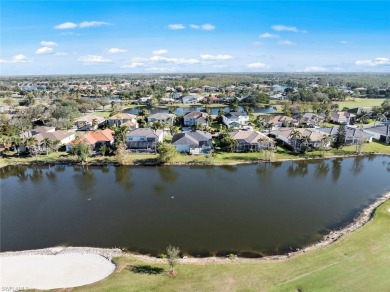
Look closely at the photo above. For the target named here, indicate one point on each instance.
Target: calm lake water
(184, 110)
(248, 209)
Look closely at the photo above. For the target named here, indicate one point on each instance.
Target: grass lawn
(360, 261)
(101, 113)
(360, 102)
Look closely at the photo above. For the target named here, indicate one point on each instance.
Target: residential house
(250, 140)
(311, 120)
(89, 123)
(95, 139)
(162, 118)
(380, 133)
(353, 135)
(193, 142)
(235, 119)
(314, 138)
(131, 125)
(143, 139)
(342, 118)
(121, 118)
(190, 99)
(278, 121)
(196, 118)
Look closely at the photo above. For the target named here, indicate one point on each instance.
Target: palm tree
(120, 135)
(55, 145)
(32, 144)
(294, 137)
(103, 149)
(325, 139)
(46, 143)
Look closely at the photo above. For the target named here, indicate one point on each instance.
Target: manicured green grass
(360, 102)
(359, 261)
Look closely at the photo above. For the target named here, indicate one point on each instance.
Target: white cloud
(93, 59)
(92, 23)
(208, 57)
(219, 66)
(257, 65)
(174, 60)
(84, 24)
(66, 25)
(280, 27)
(16, 59)
(116, 51)
(207, 26)
(133, 65)
(286, 43)
(60, 54)
(176, 26)
(48, 44)
(160, 52)
(343, 42)
(44, 50)
(374, 63)
(257, 43)
(268, 35)
(314, 69)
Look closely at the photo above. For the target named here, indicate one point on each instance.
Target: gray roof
(193, 138)
(235, 114)
(381, 130)
(350, 131)
(142, 132)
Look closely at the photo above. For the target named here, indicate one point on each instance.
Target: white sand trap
(52, 271)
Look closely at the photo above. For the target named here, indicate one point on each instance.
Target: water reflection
(84, 178)
(123, 177)
(168, 174)
(265, 170)
(336, 168)
(357, 166)
(37, 175)
(297, 169)
(322, 170)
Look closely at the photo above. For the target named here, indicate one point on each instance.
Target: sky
(107, 37)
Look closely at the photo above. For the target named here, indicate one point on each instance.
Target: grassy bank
(217, 158)
(360, 261)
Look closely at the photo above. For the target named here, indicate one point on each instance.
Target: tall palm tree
(46, 143)
(294, 137)
(32, 144)
(120, 135)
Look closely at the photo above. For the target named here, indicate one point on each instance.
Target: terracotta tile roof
(92, 138)
(121, 116)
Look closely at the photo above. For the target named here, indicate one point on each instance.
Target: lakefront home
(342, 118)
(353, 135)
(94, 139)
(162, 118)
(193, 142)
(314, 138)
(380, 133)
(144, 139)
(250, 140)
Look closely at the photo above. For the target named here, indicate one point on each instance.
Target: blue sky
(88, 37)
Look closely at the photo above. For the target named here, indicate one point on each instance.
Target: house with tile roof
(250, 140)
(380, 133)
(312, 136)
(121, 118)
(89, 123)
(195, 118)
(94, 139)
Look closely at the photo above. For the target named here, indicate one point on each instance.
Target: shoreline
(364, 217)
(71, 163)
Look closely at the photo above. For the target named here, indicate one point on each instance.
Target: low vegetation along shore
(357, 260)
(281, 154)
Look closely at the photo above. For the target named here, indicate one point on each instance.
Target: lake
(251, 210)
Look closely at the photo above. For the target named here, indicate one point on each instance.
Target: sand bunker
(19, 272)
